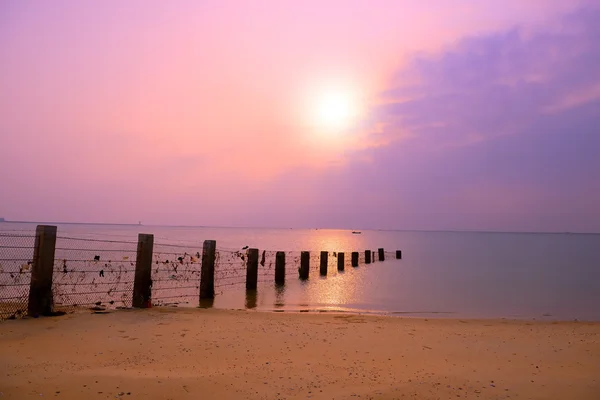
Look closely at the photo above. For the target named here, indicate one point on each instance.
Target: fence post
(340, 258)
(324, 262)
(250, 299)
(304, 264)
(280, 268)
(41, 301)
(252, 269)
(367, 256)
(207, 271)
(355, 258)
(381, 254)
(142, 284)
(398, 254)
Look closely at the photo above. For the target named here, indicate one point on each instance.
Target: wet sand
(214, 354)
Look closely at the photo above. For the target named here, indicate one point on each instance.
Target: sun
(335, 110)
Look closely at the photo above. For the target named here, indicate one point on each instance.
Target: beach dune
(166, 353)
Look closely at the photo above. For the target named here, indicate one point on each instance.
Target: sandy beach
(165, 353)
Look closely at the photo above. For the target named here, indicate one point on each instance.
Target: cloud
(498, 84)
(496, 132)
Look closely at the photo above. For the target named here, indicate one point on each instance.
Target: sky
(430, 115)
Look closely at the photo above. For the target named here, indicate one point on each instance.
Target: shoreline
(188, 353)
(437, 315)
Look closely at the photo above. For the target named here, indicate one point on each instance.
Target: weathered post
(398, 254)
(373, 259)
(340, 258)
(381, 254)
(250, 299)
(40, 288)
(252, 269)
(324, 261)
(142, 284)
(367, 256)
(304, 264)
(207, 270)
(280, 268)
(355, 258)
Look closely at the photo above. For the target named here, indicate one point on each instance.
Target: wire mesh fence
(175, 273)
(91, 272)
(230, 268)
(16, 259)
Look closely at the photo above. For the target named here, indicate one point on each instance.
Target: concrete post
(304, 264)
(280, 268)
(340, 258)
(41, 301)
(142, 284)
(324, 262)
(207, 271)
(252, 269)
(355, 258)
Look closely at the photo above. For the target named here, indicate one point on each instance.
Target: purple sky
(470, 115)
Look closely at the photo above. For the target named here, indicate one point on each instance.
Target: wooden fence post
(324, 262)
(367, 256)
(381, 254)
(41, 301)
(280, 268)
(398, 254)
(250, 299)
(340, 258)
(373, 254)
(142, 284)
(207, 270)
(252, 269)
(355, 258)
(304, 264)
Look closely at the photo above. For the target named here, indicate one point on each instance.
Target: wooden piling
(340, 259)
(367, 256)
(324, 262)
(304, 264)
(142, 284)
(41, 301)
(373, 256)
(250, 299)
(280, 268)
(207, 270)
(381, 255)
(398, 254)
(252, 269)
(355, 258)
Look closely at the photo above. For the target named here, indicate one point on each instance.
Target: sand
(166, 353)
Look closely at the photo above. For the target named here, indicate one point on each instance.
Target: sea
(442, 274)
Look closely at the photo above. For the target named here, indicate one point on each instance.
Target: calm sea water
(444, 274)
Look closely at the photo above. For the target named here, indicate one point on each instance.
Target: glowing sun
(335, 110)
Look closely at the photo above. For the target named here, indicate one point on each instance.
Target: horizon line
(313, 228)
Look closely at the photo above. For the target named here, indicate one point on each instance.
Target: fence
(47, 273)
(16, 259)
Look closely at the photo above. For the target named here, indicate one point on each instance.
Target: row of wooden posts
(40, 292)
